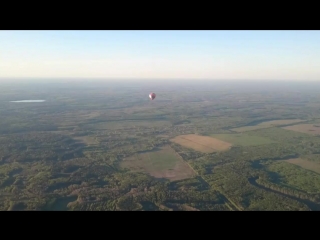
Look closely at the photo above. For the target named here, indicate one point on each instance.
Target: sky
(251, 55)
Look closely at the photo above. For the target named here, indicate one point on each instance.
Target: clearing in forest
(313, 129)
(201, 143)
(308, 165)
(267, 124)
(163, 163)
(243, 139)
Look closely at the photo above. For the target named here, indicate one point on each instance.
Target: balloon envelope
(152, 96)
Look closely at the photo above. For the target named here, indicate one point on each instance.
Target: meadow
(266, 124)
(201, 143)
(243, 139)
(164, 163)
(313, 129)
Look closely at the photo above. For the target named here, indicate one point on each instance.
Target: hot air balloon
(152, 96)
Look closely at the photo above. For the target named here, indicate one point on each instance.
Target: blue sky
(252, 55)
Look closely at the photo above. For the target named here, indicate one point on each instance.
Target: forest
(195, 147)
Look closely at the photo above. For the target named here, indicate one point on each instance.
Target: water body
(28, 101)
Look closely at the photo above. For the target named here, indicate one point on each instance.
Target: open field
(201, 143)
(243, 139)
(312, 158)
(313, 129)
(308, 165)
(164, 163)
(267, 124)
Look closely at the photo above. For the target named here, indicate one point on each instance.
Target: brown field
(201, 143)
(165, 163)
(267, 124)
(313, 129)
(308, 165)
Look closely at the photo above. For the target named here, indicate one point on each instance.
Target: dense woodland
(67, 153)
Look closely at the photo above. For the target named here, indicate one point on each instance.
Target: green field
(267, 124)
(306, 164)
(243, 139)
(163, 163)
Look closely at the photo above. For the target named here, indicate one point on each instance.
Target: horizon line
(153, 78)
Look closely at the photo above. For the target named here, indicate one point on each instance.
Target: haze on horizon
(250, 55)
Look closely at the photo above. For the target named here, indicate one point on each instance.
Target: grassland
(306, 164)
(267, 124)
(243, 139)
(313, 129)
(164, 163)
(201, 143)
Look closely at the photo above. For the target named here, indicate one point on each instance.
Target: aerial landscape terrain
(197, 146)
